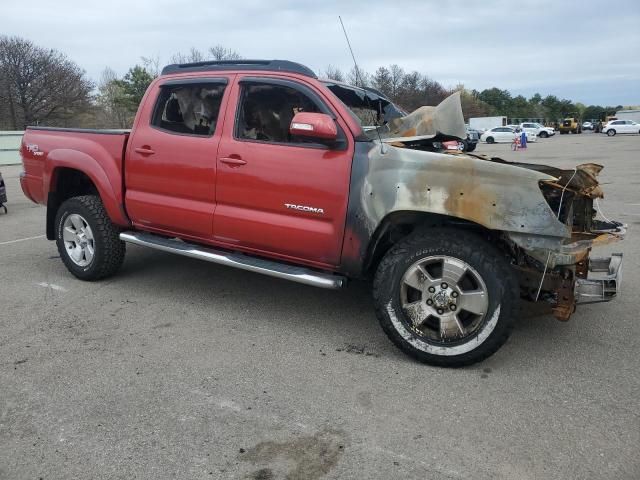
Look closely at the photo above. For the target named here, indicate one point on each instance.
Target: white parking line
(21, 240)
(52, 286)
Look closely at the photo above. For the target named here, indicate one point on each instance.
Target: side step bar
(238, 260)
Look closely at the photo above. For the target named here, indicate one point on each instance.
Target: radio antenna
(358, 76)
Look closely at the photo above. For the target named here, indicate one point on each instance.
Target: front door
(276, 194)
(171, 157)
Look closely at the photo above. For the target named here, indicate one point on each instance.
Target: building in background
(628, 115)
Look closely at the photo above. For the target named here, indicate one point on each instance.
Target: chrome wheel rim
(78, 240)
(444, 299)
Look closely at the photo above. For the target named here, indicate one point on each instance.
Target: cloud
(545, 46)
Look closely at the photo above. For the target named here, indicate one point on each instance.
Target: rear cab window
(189, 106)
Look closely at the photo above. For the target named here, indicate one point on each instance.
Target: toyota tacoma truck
(262, 166)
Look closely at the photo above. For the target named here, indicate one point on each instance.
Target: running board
(237, 260)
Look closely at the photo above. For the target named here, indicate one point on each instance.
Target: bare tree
(395, 81)
(151, 65)
(218, 52)
(194, 55)
(40, 85)
(358, 77)
(333, 73)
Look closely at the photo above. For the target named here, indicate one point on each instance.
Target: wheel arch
(400, 224)
(67, 182)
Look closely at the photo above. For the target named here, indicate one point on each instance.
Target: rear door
(276, 194)
(171, 157)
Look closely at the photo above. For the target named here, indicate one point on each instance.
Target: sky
(587, 51)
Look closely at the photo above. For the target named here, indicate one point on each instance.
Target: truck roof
(220, 65)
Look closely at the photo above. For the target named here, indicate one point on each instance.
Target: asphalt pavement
(177, 368)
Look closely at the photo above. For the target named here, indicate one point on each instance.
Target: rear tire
(437, 328)
(490, 140)
(611, 132)
(88, 243)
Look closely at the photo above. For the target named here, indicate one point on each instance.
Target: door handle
(144, 150)
(234, 162)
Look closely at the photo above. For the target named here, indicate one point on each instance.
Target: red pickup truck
(262, 166)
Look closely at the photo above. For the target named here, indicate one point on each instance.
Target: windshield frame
(368, 97)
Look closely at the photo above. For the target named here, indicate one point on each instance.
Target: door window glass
(190, 109)
(266, 111)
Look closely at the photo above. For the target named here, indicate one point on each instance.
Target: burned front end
(560, 270)
(545, 218)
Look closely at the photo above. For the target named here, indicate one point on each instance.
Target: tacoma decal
(304, 208)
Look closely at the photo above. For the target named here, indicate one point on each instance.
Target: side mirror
(314, 125)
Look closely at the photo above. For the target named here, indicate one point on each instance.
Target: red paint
(98, 156)
(215, 190)
(314, 125)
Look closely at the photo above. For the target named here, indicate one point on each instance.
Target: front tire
(446, 297)
(543, 134)
(471, 147)
(88, 242)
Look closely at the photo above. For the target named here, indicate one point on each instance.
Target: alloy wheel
(78, 240)
(444, 299)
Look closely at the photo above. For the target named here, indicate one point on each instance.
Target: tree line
(40, 86)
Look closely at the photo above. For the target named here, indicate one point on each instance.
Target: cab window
(188, 109)
(265, 112)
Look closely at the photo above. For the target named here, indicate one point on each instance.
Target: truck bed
(44, 149)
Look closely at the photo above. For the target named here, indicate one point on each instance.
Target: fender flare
(107, 182)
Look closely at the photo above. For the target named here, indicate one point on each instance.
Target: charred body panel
(387, 179)
(543, 216)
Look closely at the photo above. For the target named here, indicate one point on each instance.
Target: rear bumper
(603, 280)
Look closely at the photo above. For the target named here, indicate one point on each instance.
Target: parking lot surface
(177, 368)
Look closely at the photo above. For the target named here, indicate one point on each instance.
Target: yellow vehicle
(570, 124)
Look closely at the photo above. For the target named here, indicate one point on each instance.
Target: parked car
(587, 126)
(621, 126)
(467, 145)
(540, 130)
(473, 137)
(505, 135)
(259, 165)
